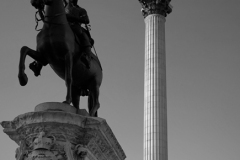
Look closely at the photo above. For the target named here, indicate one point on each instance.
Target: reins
(40, 12)
(42, 17)
(88, 28)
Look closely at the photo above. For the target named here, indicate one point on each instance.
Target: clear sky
(203, 91)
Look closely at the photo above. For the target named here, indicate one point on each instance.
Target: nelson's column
(155, 96)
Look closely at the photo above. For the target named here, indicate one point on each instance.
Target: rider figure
(75, 16)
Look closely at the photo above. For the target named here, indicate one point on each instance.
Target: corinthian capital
(162, 7)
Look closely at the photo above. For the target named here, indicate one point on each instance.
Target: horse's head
(39, 4)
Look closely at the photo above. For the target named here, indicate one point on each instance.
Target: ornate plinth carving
(59, 135)
(161, 7)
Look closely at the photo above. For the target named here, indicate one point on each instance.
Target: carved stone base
(55, 132)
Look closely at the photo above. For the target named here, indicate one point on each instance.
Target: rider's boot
(35, 67)
(85, 58)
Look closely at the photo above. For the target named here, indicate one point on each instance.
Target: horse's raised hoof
(23, 79)
(36, 68)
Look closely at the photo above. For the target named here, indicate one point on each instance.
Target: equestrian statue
(66, 46)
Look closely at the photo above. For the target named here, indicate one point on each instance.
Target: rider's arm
(82, 17)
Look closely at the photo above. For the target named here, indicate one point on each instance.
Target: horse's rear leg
(90, 102)
(23, 53)
(94, 104)
(75, 97)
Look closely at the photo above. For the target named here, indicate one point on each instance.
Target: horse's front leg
(21, 68)
(68, 77)
(33, 54)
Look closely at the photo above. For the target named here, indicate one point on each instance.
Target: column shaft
(155, 97)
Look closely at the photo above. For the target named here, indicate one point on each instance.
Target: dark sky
(202, 47)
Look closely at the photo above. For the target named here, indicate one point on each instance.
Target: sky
(203, 91)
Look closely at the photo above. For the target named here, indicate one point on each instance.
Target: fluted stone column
(155, 96)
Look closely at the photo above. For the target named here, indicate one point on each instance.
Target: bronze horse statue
(57, 46)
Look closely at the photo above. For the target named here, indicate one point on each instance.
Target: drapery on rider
(76, 16)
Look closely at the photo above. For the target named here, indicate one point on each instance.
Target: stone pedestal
(56, 132)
